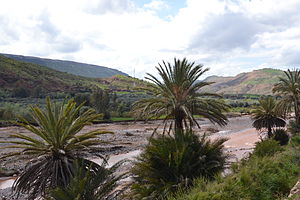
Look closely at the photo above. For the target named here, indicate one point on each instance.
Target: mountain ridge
(71, 67)
(259, 81)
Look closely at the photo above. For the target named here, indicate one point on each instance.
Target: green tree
(267, 116)
(289, 89)
(100, 100)
(82, 98)
(55, 146)
(177, 96)
(37, 92)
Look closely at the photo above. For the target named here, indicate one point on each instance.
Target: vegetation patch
(269, 177)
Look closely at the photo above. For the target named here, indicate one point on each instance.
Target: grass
(118, 119)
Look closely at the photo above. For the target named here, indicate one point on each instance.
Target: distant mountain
(32, 77)
(256, 82)
(81, 69)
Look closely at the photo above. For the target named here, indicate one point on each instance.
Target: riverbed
(129, 139)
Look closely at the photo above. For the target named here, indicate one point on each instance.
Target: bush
(295, 141)
(6, 114)
(281, 136)
(267, 178)
(293, 127)
(266, 148)
(170, 163)
(21, 92)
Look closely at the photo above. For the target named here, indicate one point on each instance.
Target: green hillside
(255, 82)
(15, 75)
(81, 69)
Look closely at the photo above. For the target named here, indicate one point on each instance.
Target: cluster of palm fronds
(270, 114)
(170, 163)
(177, 96)
(266, 115)
(289, 89)
(96, 183)
(56, 146)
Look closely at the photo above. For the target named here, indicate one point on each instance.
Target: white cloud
(229, 36)
(157, 5)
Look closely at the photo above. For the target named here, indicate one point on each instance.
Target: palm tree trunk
(297, 111)
(269, 131)
(178, 120)
(178, 124)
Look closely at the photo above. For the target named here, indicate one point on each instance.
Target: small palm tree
(55, 146)
(266, 115)
(97, 184)
(172, 162)
(289, 89)
(177, 96)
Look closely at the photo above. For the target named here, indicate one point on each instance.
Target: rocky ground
(130, 136)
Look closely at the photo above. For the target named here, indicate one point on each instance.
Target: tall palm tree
(289, 89)
(54, 148)
(266, 115)
(177, 96)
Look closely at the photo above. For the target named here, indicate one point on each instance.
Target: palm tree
(55, 146)
(99, 184)
(266, 115)
(177, 96)
(172, 162)
(289, 89)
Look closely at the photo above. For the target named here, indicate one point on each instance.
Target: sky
(227, 36)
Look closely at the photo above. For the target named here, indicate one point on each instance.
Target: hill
(75, 68)
(256, 82)
(15, 74)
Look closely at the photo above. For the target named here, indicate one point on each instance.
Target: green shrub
(295, 141)
(259, 178)
(170, 163)
(293, 127)
(21, 92)
(266, 148)
(281, 136)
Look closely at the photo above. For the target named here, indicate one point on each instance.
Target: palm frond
(57, 142)
(177, 95)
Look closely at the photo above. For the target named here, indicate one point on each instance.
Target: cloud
(156, 5)
(7, 32)
(229, 36)
(67, 45)
(44, 25)
(99, 7)
(289, 57)
(226, 32)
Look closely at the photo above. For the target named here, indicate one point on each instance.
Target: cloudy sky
(228, 36)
